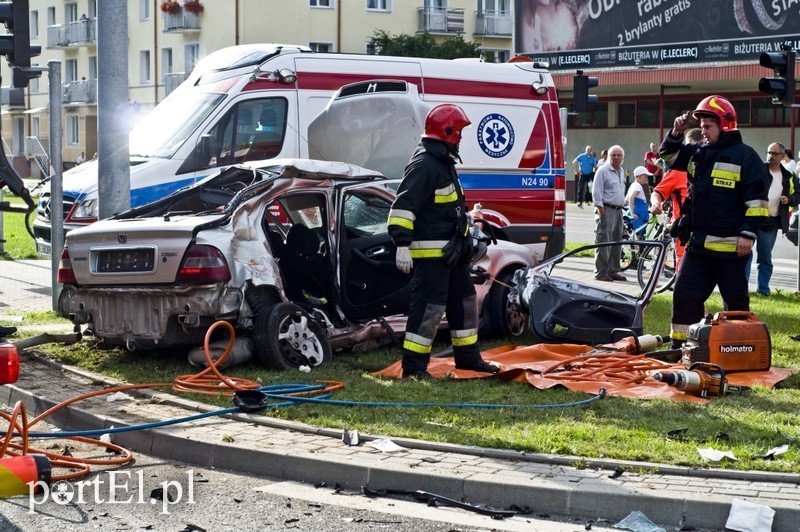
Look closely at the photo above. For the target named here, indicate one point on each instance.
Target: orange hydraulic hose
(210, 381)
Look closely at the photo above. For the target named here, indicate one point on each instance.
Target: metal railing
(441, 19)
(493, 23)
(183, 21)
(171, 81)
(83, 91)
(36, 151)
(76, 33)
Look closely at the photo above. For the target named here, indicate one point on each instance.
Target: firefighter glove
(403, 259)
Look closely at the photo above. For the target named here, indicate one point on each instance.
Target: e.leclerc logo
(495, 135)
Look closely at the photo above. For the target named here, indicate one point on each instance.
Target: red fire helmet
(445, 122)
(719, 107)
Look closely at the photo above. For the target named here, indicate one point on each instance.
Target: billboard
(572, 34)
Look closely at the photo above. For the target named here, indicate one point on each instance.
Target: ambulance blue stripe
(538, 181)
(140, 196)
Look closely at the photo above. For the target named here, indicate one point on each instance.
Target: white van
(265, 101)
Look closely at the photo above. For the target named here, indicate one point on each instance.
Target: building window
(495, 56)
(166, 62)
(596, 117)
(370, 48)
(70, 13)
(70, 70)
(34, 24)
(144, 66)
(35, 127)
(492, 6)
(92, 67)
(320, 3)
(742, 111)
(379, 5)
(34, 83)
(144, 9)
(321, 47)
(51, 16)
(647, 114)
(73, 130)
(191, 55)
(626, 114)
(92, 8)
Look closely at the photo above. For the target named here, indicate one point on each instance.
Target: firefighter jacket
(727, 189)
(429, 209)
(789, 188)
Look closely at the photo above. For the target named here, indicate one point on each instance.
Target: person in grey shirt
(609, 196)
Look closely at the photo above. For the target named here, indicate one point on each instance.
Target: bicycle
(651, 230)
(658, 230)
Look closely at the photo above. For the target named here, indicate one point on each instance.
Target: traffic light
(781, 85)
(17, 45)
(581, 86)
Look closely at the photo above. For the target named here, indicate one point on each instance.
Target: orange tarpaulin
(587, 369)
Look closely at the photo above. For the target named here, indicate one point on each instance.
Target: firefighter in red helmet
(428, 223)
(726, 206)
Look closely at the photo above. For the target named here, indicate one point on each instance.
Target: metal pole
(113, 176)
(2, 237)
(56, 187)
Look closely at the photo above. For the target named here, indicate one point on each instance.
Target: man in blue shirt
(584, 163)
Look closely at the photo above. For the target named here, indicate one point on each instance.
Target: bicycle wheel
(628, 257)
(668, 272)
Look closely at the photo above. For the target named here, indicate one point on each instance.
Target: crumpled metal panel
(143, 314)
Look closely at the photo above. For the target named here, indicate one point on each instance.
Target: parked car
(570, 307)
(294, 253)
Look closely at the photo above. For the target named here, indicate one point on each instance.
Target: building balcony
(77, 33)
(171, 81)
(440, 20)
(79, 92)
(493, 23)
(181, 22)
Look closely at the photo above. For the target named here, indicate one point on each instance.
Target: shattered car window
(365, 215)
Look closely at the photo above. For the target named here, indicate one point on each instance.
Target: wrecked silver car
(566, 304)
(293, 253)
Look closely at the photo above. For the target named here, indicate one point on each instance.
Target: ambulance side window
(252, 130)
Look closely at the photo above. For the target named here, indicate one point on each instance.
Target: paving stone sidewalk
(669, 496)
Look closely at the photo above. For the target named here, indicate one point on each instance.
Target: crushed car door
(371, 284)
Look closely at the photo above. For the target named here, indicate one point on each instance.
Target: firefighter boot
(478, 365)
(415, 366)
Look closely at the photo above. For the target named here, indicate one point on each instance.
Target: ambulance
(268, 101)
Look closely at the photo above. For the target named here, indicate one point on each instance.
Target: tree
(423, 45)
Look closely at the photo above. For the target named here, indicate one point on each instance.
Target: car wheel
(287, 338)
(508, 320)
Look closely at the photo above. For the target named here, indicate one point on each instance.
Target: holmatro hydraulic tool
(734, 340)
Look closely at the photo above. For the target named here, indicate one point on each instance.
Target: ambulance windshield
(166, 128)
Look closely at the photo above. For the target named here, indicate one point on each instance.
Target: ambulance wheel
(286, 337)
(507, 319)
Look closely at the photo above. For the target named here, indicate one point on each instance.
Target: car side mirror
(206, 152)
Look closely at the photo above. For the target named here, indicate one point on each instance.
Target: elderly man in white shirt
(609, 198)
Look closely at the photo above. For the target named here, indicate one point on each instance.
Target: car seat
(307, 268)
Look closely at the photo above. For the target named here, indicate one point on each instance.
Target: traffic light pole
(56, 185)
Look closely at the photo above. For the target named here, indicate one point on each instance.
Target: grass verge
(748, 424)
(19, 244)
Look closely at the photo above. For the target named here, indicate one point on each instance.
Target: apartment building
(166, 39)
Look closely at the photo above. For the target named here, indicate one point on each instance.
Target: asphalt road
(580, 228)
(220, 500)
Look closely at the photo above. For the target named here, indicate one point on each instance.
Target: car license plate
(125, 260)
(43, 248)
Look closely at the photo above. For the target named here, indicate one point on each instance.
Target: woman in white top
(788, 161)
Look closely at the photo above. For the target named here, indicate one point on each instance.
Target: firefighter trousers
(435, 289)
(697, 277)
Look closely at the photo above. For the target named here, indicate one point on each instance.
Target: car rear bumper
(152, 316)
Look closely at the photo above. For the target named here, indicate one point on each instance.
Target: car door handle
(376, 252)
